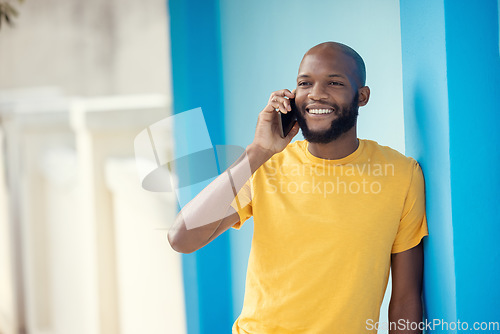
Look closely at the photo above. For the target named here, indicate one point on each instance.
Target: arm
(214, 201)
(406, 302)
(211, 208)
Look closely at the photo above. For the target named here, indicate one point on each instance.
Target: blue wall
(262, 45)
(473, 90)
(425, 90)
(228, 56)
(451, 82)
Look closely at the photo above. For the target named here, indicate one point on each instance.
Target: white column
(58, 257)
(8, 312)
(33, 123)
(149, 272)
(104, 128)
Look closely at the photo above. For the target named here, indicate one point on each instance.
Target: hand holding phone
(274, 127)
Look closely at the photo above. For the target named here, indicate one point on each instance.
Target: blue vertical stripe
(197, 82)
(425, 96)
(473, 90)
(451, 73)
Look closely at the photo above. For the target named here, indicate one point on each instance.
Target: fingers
(283, 93)
(288, 93)
(279, 100)
(280, 103)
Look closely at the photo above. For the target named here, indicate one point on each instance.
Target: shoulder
(406, 170)
(387, 154)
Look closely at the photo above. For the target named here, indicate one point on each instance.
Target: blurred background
(83, 246)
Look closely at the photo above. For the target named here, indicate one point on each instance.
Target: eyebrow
(330, 76)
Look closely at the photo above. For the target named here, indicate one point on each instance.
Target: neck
(339, 148)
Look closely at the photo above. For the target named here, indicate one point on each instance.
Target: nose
(317, 93)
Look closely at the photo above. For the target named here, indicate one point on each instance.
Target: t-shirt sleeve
(242, 203)
(413, 223)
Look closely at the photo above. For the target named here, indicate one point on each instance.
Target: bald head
(333, 47)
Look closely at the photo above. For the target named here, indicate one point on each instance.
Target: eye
(303, 83)
(336, 83)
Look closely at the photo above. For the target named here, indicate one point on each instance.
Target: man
(332, 214)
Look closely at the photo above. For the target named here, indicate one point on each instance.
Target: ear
(364, 96)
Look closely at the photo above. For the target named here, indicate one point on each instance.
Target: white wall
(84, 248)
(87, 48)
(61, 49)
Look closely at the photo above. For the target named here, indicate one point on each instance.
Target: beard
(348, 114)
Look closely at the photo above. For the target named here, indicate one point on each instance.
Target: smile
(319, 111)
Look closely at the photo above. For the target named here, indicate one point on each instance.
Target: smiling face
(328, 93)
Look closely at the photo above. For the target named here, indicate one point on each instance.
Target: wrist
(257, 155)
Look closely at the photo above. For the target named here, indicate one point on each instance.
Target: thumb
(293, 132)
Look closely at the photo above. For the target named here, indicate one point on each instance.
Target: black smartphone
(288, 120)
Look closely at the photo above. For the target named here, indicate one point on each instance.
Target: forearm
(199, 220)
(405, 316)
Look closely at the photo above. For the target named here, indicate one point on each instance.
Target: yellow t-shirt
(324, 231)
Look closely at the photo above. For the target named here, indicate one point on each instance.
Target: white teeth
(320, 111)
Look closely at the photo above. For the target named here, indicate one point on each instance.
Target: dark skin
(328, 76)
(406, 302)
